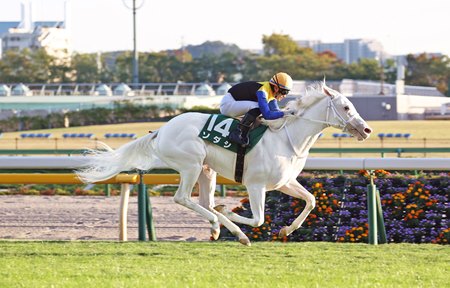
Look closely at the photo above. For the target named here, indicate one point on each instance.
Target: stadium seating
(35, 135)
(394, 135)
(121, 135)
(78, 135)
(341, 135)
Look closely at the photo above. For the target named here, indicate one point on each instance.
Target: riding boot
(240, 134)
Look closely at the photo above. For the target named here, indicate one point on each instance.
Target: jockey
(252, 99)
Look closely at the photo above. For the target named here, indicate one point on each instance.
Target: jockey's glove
(289, 113)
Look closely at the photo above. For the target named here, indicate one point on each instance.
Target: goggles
(283, 91)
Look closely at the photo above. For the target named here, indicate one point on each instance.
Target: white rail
(72, 162)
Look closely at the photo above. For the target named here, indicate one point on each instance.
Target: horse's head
(342, 114)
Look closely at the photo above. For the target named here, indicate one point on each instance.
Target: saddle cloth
(218, 127)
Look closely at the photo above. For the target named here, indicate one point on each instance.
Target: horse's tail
(104, 164)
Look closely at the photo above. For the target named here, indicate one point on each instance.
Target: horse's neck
(303, 132)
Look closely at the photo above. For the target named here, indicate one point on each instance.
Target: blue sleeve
(265, 109)
(273, 105)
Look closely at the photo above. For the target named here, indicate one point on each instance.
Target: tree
(428, 70)
(32, 66)
(160, 67)
(86, 68)
(25, 66)
(367, 69)
(211, 68)
(279, 44)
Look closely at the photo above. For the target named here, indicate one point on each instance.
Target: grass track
(438, 129)
(221, 264)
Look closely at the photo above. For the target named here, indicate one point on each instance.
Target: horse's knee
(311, 202)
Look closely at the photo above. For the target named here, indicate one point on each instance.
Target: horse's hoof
(220, 208)
(245, 241)
(215, 233)
(283, 232)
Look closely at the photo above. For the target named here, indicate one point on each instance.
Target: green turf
(221, 264)
(438, 129)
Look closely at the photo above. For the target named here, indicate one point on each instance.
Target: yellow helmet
(282, 80)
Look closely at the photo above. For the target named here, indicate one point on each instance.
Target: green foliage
(428, 71)
(123, 112)
(368, 69)
(26, 66)
(87, 68)
(216, 62)
(279, 44)
(202, 109)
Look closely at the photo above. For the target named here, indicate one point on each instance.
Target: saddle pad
(218, 127)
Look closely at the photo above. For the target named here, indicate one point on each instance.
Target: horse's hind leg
(207, 187)
(188, 178)
(295, 189)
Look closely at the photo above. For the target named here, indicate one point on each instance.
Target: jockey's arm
(273, 105)
(266, 108)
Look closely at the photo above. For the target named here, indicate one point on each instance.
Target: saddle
(218, 127)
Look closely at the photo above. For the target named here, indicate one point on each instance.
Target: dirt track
(96, 218)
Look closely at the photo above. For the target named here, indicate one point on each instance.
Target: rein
(341, 124)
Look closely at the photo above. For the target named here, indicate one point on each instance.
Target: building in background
(350, 51)
(53, 36)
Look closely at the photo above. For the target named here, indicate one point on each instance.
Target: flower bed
(415, 209)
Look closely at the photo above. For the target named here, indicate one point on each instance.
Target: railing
(74, 162)
(382, 151)
(118, 89)
(375, 215)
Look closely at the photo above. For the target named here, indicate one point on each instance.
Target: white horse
(273, 164)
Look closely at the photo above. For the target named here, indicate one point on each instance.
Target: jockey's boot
(240, 134)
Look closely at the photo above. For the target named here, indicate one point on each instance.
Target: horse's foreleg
(257, 198)
(295, 189)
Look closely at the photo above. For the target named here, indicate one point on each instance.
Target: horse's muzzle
(361, 131)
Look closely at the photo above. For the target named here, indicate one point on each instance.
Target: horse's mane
(312, 94)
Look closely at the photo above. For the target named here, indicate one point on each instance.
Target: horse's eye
(346, 108)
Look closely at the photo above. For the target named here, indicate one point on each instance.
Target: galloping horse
(273, 164)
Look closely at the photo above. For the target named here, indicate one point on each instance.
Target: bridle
(342, 122)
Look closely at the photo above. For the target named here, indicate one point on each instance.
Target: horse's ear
(326, 91)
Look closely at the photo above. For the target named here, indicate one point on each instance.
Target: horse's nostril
(368, 130)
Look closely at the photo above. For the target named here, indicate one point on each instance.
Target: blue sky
(104, 25)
